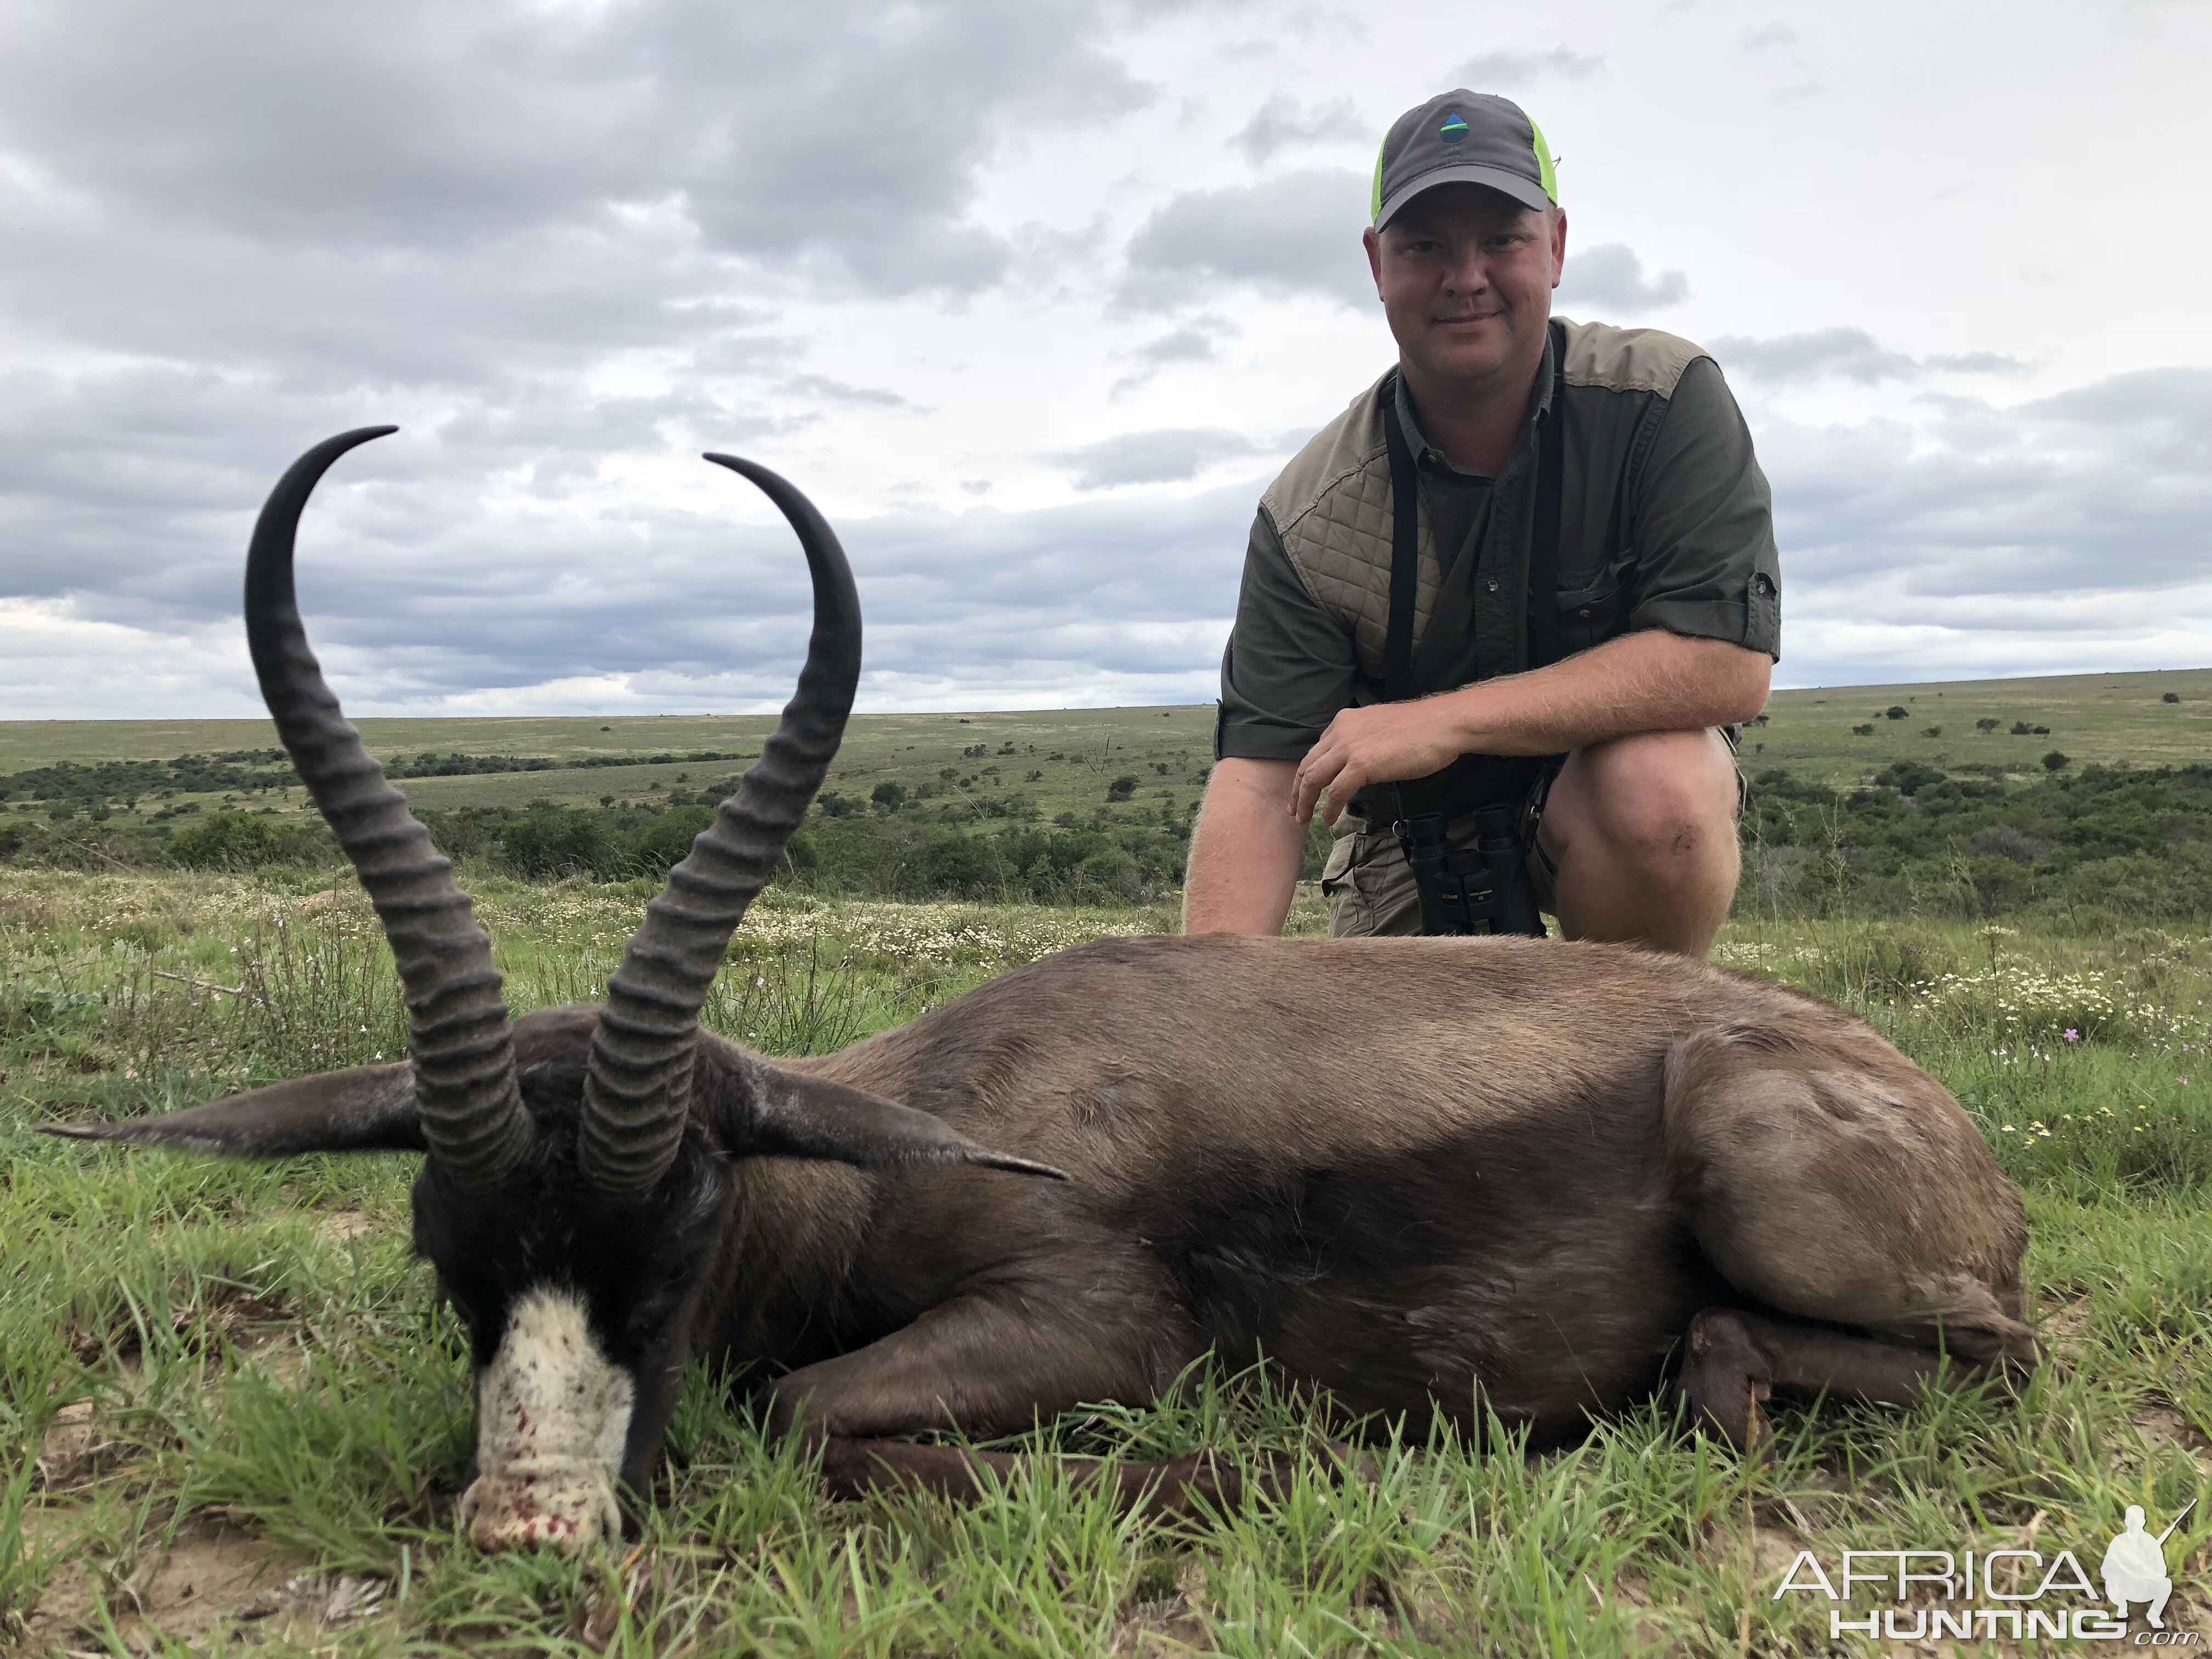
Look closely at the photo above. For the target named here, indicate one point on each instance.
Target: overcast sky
(1033, 296)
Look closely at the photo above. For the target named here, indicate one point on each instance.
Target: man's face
(1466, 275)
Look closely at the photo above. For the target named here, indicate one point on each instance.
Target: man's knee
(1665, 801)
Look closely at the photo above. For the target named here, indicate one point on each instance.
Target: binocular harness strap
(1485, 888)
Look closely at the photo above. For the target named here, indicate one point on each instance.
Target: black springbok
(1458, 1175)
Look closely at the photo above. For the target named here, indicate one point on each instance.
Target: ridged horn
(637, 1078)
(458, 1034)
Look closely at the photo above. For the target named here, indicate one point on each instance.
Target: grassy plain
(232, 1415)
(1075, 754)
(2112, 719)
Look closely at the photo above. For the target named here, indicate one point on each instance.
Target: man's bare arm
(1245, 852)
(1647, 681)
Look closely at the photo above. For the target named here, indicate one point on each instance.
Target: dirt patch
(2161, 1425)
(1164, 1616)
(212, 1567)
(88, 1440)
(1157, 1629)
(2063, 1331)
(216, 1578)
(227, 1312)
(79, 1448)
(348, 1223)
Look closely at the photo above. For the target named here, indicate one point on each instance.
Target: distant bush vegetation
(2107, 840)
(894, 851)
(249, 840)
(250, 771)
(457, 765)
(2084, 839)
(240, 772)
(965, 835)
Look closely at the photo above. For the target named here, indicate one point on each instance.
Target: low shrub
(250, 841)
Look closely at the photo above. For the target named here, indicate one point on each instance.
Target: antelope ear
(370, 1108)
(775, 1113)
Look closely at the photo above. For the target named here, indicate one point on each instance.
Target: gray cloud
(257, 230)
(1282, 123)
(838, 391)
(1170, 456)
(1767, 37)
(1975, 362)
(1843, 352)
(418, 600)
(1512, 69)
(1193, 343)
(1611, 275)
(834, 141)
(1182, 345)
(1295, 235)
(1846, 353)
(2057, 532)
(2104, 489)
(2058, 535)
(568, 247)
(505, 306)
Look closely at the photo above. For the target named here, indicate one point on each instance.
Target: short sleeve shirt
(1666, 522)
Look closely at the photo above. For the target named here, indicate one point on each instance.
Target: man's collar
(1539, 408)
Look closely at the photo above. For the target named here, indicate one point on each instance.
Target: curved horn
(473, 1119)
(637, 1079)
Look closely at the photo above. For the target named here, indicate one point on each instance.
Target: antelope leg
(996, 1362)
(1734, 1361)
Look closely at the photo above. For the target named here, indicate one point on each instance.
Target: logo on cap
(1454, 129)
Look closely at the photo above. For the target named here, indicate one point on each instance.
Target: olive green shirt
(1665, 522)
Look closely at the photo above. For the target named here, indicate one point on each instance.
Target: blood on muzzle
(552, 1415)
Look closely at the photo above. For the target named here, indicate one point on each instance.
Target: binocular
(1484, 889)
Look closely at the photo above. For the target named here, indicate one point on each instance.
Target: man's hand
(1649, 681)
(1385, 743)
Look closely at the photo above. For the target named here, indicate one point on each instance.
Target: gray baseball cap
(1463, 137)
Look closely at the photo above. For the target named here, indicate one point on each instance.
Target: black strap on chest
(1484, 888)
(1544, 545)
(1404, 552)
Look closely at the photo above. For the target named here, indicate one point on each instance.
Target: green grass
(210, 1370)
(2112, 719)
(1077, 753)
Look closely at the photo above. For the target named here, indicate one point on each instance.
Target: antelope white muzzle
(552, 1413)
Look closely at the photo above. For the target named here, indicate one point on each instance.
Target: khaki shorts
(1370, 886)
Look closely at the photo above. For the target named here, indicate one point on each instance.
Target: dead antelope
(1453, 1176)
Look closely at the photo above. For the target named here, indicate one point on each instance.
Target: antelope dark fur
(1480, 1177)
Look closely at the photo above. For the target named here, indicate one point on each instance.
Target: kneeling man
(2135, 1571)
(1532, 568)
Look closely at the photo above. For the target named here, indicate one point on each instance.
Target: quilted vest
(1332, 504)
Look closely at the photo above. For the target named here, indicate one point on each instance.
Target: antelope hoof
(1725, 1381)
